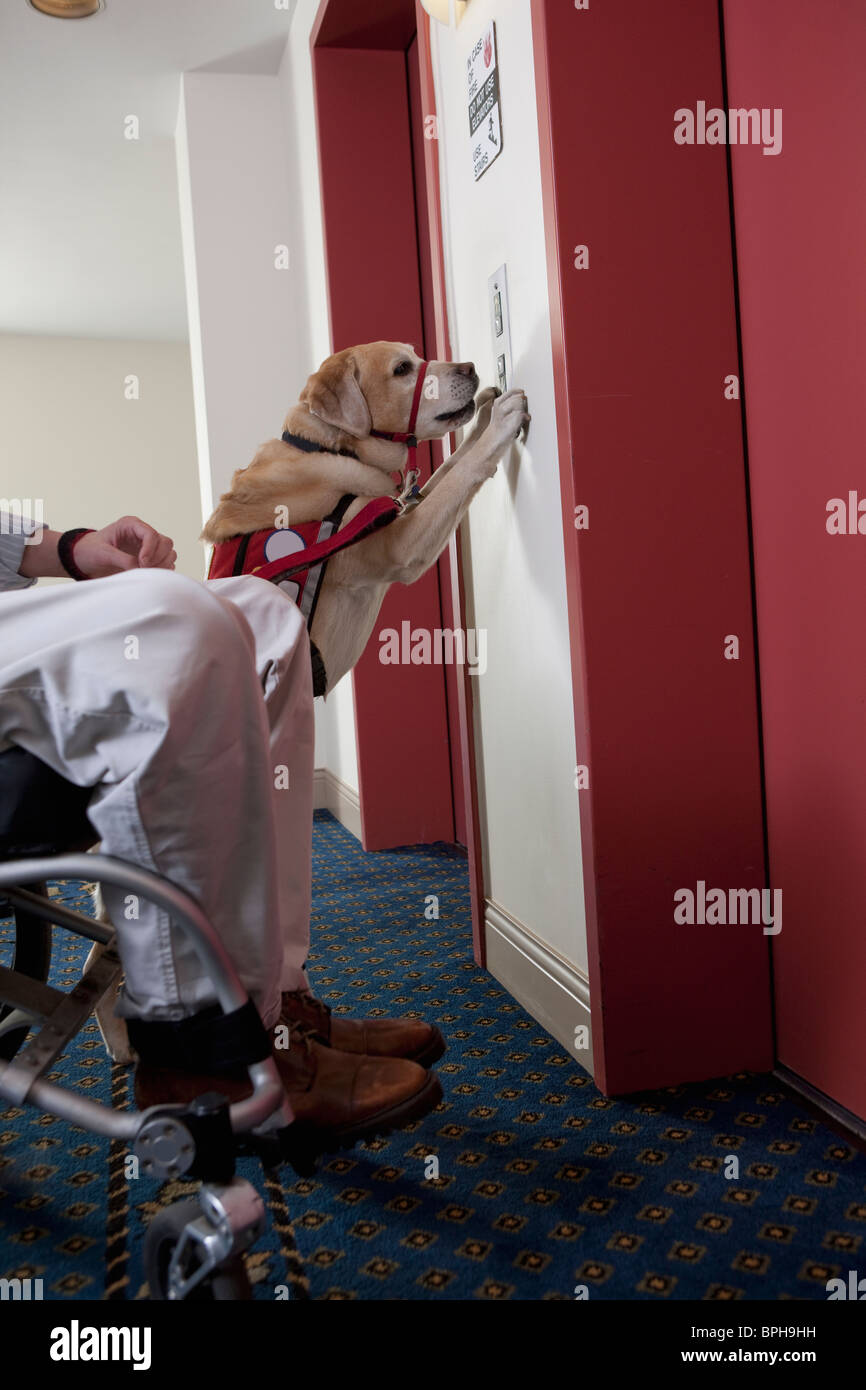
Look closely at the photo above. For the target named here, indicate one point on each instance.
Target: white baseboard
(330, 794)
(549, 988)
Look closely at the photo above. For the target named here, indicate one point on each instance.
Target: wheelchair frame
(168, 1140)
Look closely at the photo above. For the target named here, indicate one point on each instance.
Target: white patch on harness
(278, 546)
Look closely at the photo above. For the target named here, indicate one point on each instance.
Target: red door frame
(368, 202)
(454, 571)
(420, 131)
(642, 343)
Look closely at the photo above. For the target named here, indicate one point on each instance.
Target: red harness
(295, 558)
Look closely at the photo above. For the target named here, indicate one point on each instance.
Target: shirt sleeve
(14, 531)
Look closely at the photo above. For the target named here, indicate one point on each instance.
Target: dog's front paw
(483, 412)
(509, 417)
(124, 1054)
(484, 403)
(115, 1035)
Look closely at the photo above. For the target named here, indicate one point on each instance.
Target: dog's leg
(480, 422)
(403, 551)
(112, 1028)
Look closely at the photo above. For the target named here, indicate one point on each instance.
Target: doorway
(373, 90)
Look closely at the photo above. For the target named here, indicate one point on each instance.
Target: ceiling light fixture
(67, 9)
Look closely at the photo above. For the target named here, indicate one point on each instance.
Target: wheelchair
(194, 1249)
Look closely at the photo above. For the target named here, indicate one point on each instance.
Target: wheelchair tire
(32, 958)
(228, 1282)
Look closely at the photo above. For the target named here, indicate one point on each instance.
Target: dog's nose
(465, 368)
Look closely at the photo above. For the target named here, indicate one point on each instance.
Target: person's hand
(126, 544)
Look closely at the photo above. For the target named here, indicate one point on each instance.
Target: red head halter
(409, 436)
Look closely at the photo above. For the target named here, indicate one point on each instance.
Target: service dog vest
(295, 557)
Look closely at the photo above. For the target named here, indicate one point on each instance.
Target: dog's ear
(333, 395)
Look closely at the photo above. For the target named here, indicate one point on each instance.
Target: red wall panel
(374, 291)
(801, 246)
(451, 674)
(642, 343)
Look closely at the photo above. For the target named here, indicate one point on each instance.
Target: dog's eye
(402, 368)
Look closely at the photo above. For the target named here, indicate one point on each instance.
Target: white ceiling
(89, 224)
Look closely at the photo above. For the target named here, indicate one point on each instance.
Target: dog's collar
(409, 494)
(309, 446)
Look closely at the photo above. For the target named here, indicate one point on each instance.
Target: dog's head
(372, 387)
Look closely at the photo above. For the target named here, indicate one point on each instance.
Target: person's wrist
(66, 550)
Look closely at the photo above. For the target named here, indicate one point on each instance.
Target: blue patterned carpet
(543, 1186)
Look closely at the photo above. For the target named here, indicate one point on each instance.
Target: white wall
(524, 707)
(234, 212)
(71, 437)
(256, 331)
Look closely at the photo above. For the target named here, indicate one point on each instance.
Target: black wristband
(65, 547)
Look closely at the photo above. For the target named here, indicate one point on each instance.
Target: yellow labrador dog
(353, 400)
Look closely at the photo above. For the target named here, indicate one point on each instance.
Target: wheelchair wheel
(229, 1281)
(32, 958)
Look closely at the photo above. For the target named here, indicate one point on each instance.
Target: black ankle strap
(209, 1042)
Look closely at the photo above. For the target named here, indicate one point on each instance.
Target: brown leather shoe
(338, 1100)
(408, 1038)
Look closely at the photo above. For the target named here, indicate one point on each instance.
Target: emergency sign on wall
(485, 120)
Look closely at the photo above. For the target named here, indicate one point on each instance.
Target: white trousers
(189, 707)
